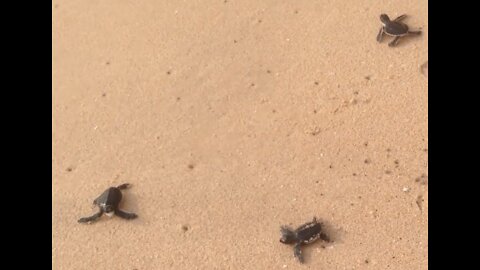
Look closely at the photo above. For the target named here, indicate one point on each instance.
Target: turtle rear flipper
(297, 251)
(394, 42)
(125, 215)
(325, 237)
(91, 218)
(415, 32)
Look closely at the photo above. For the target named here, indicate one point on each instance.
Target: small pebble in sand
(406, 189)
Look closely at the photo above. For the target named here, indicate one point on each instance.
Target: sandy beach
(232, 118)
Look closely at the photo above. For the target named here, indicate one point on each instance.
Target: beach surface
(233, 118)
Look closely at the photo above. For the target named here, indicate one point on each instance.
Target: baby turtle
(394, 28)
(303, 235)
(108, 203)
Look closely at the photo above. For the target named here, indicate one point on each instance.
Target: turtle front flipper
(91, 218)
(297, 251)
(414, 32)
(394, 42)
(380, 35)
(399, 18)
(124, 186)
(125, 215)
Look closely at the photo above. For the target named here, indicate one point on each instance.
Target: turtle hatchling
(108, 204)
(394, 28)
(303, 235)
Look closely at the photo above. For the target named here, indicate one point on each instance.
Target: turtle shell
(309, 232)
(395, 29)
(110, 197)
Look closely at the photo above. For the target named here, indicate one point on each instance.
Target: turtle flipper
(325, 237)
(124, 186)
(91, 218)
(394, 42)
(125, 215)
(297, 251)
(399, 18)
(415, 32)
(380, 35)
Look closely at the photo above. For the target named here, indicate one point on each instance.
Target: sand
(232, 118)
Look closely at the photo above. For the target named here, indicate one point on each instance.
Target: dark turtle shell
(395, 28)
(309, 232)
(109, 199)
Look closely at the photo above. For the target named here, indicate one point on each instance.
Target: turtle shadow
(129, 204)
(335, 234)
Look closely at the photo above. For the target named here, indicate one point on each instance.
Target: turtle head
(288, 236)
(384, 18)
(109, 210)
